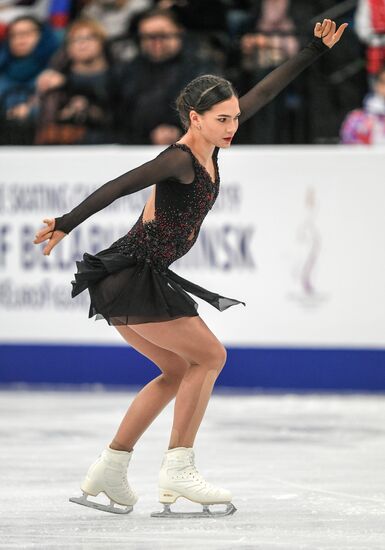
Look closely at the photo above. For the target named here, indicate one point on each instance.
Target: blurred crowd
(108, 71)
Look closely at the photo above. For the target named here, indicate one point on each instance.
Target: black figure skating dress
(130, 282)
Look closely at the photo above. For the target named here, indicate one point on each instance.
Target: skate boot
(108, 475)
(179, 477)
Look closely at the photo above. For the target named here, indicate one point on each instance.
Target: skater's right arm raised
(171, 163)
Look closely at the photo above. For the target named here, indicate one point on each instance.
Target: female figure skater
(132, 287)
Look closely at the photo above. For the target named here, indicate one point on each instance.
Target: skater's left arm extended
(170, 163)
(325, 37)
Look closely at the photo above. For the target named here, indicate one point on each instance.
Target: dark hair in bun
(201, 94)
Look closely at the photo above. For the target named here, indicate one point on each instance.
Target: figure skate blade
(205, 513)
(113, 507)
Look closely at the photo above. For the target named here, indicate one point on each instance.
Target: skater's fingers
(52, 242)
(340, 31)
(43, 235)
(333, 27)
(327, 27)
(329, 35)
(47, 249)
(50, 223)
(318, 29)
(46, 232)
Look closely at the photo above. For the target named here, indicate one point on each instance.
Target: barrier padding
(270, 368)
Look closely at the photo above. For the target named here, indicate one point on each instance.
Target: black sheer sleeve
(279, 78)
(172, 163)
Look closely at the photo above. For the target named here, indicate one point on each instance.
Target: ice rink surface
(306, 472)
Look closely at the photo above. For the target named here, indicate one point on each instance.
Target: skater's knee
(174, 371)
(214, 357)
(220, 357)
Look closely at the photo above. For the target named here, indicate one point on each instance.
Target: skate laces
(185, 469)
(125, 482)
(192, 469)
(117, 468)
(198, 476)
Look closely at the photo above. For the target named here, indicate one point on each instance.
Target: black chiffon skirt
(125, 291)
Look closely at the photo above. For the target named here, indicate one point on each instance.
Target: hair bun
(201, 94)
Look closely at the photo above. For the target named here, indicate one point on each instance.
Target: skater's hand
(327, 31)
(49, 233)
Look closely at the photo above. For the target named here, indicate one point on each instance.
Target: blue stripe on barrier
(270, 368)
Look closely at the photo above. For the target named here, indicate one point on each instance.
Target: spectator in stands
(119, 19)
(367, 125)
(207, 23)
(78, 95)
(274, 40)
(239, 16)
(25, 53)
(151, 82)
(271, 42)
(53, 12)
(198, 15)
(115, 15)
(370, 27)
(12, 9)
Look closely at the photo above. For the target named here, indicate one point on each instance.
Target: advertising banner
(297, 233)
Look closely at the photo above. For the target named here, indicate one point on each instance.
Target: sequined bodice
(179, 212)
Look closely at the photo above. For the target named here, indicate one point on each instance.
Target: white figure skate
(108, 475)
(179, 477)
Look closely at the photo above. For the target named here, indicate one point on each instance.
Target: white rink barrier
(297, 233)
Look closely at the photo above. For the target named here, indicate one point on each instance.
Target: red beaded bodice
(179, 212)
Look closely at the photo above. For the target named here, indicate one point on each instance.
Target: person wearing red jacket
(370, 27)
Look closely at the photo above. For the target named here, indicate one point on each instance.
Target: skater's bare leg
(152, 399)
(190, 338)
(108, 473)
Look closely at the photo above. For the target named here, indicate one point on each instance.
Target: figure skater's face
(220, 123)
